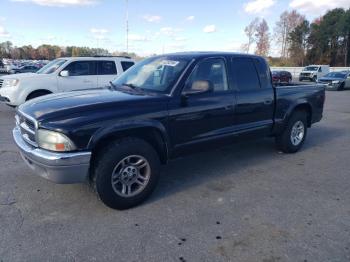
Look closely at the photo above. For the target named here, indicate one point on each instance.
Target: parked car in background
(62, 75)
(160, 109)
(25, 69)
(336, 80)
(313, 72)
(2, 67)
(281, 77)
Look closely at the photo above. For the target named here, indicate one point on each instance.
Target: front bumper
(4, 99)
(60, 168)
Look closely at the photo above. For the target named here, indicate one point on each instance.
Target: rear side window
(264, 73)
(126, 65)
(245, 74)
(107, 68)
(81, 68)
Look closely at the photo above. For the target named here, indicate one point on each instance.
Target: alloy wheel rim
(297, 134)
(130, 176)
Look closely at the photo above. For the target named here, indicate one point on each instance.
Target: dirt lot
(245, 202)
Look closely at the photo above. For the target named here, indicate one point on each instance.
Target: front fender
(129, 125)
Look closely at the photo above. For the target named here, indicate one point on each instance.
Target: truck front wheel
(293, 137)
(38, 93)
(126, 173)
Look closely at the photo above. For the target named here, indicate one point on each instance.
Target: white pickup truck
(62, 75)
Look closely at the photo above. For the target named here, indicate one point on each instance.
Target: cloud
(180, 39)
(170, 31)
(232, 46)
(318, 7)
(3, 32)
(209, 29)
(99, 33)
(137, 38)
(152, 18)
(257, 6)
(59, 3)
(190, 18)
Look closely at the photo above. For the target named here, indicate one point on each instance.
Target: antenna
(127, 26)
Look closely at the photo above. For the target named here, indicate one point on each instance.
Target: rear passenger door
(82, 75)
(107, 71)
(254, 94)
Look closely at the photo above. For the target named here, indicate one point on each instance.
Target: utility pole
(127, 26)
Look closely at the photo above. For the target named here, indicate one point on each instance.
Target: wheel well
(307, 109)
(149, 134)
(40, 91)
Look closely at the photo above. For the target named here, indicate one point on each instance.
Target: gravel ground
(244, 202)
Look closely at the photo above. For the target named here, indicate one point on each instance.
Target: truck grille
(305, 74)
(27, 128)
(325, 81)
(1, 82)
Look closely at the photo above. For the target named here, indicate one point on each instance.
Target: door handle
(268, 101)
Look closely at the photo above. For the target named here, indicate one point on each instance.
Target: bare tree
(284, 26)
(262, 38)
(250, 32)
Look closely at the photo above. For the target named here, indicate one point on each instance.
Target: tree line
(50, 52)
(326, 40)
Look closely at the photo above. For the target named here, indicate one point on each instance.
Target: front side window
(245, 74)
(81, 68)
(156, 74)
(52, 66)
(212, 70)
(107, 68)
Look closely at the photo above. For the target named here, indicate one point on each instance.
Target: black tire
(109, 158)
(36, 94)
(314, 79)
(284, 140)
(341, 87)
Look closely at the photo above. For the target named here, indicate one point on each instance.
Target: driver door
(82, 75)
(347, 81)
(203, 116)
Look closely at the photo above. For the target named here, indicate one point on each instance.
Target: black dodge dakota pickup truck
(163, 107)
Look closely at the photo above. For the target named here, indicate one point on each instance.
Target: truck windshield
(311, 68)
(51, 67)
(155, 74)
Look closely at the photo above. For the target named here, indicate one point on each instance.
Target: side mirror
(64, 73)
(199, 87)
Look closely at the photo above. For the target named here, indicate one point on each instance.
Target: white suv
(313, 72)
(62, 75)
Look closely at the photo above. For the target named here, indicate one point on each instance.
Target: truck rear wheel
(293, 137)
(126, 173)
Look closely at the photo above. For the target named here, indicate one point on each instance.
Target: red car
(281, 77)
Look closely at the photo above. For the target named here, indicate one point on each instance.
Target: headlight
(54, 141)
(10, 82)
(335, 82)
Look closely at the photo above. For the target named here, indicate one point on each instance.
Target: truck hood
(63, 106)
(331, 79)
(24, 76)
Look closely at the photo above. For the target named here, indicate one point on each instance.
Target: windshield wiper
(113, 85)
(132, 86)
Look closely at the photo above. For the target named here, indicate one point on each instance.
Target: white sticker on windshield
(169, 63)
